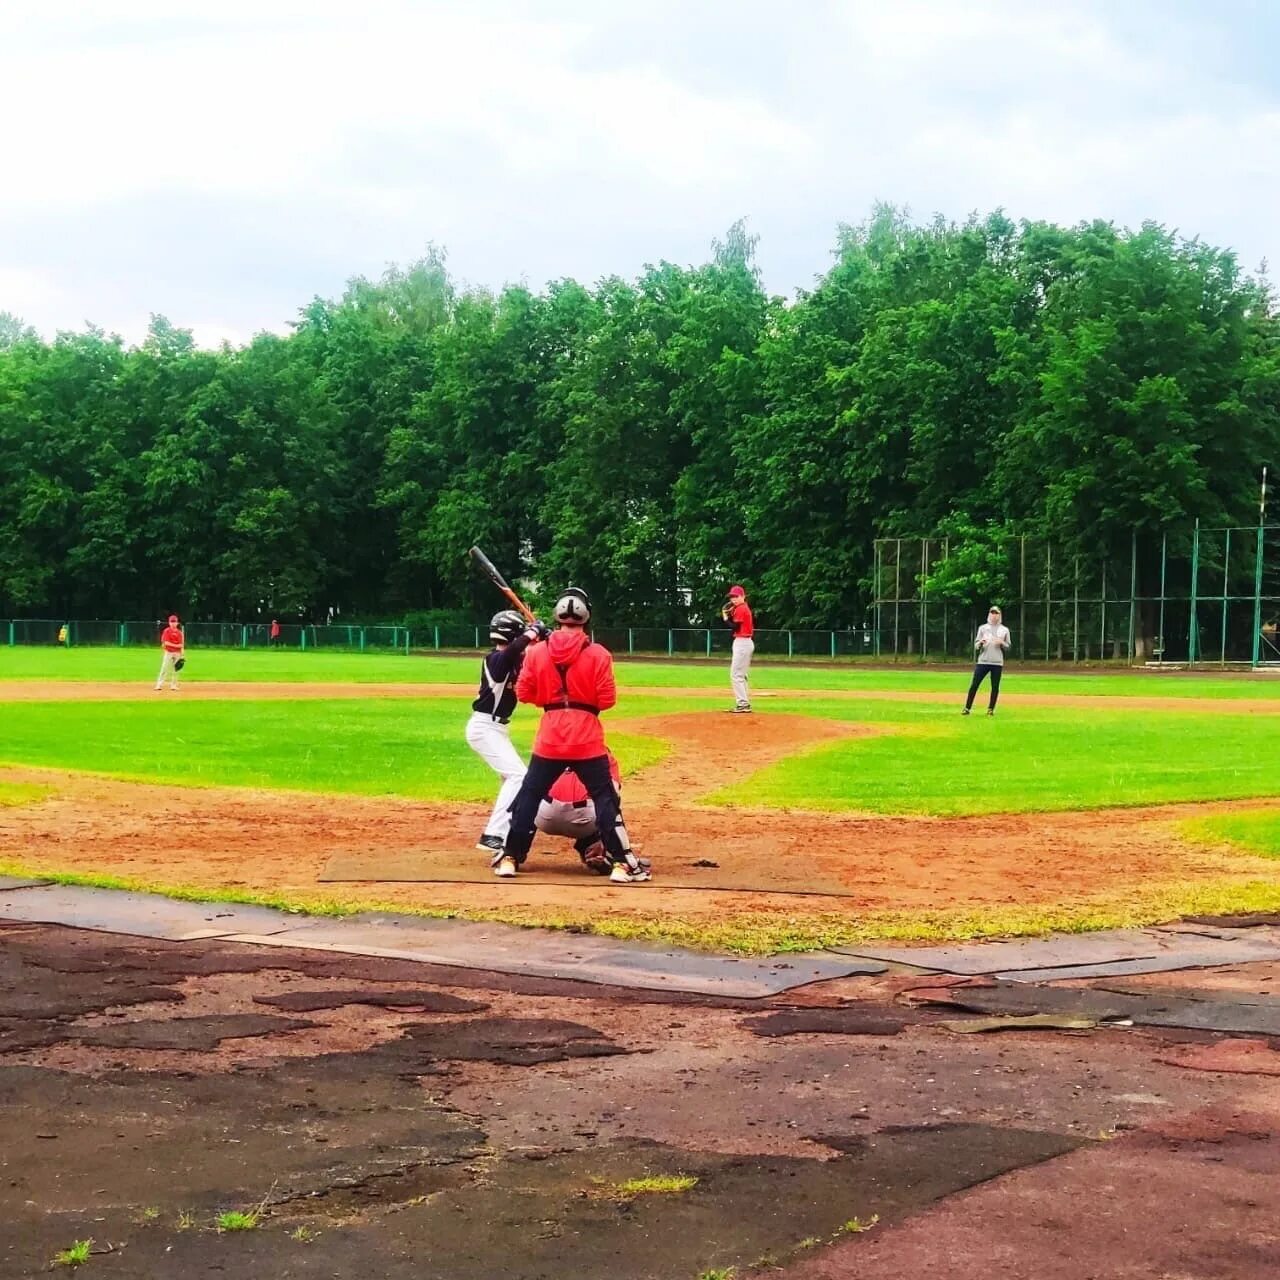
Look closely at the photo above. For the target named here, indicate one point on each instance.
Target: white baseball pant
(743, 648)
(491, 741)
(562, 818)
(166, 670)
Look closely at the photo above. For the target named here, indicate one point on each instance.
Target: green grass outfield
(924, 759)
(319, 666)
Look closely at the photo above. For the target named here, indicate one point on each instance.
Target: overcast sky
(223, 161)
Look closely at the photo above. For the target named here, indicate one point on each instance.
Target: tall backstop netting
(1208, 597)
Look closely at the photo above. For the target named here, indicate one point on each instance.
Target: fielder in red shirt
(571, 679)
(172, 643)
(737, 613)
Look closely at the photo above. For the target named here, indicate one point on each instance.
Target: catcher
(567, 810)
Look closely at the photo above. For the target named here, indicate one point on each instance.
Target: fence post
(244, 637)
(435, 635)
(1195, 571)
(708, 642)
(304, 635)
(477, 637)
(1133, 595)
(671, 642)
(12, 634)
(1226, 590)
(407, 634)
(123, 632)
(833, 644)
(879, 592)
(631, 640)
(1075, 617)
(1048, 595)
(1164, 564)
(361, 639)
(1102, 634)
(790, 645)
(1257, 600)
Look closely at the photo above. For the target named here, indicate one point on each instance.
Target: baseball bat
(490, 571)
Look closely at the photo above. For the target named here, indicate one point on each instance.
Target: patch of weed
(77, 1255)
(663, 1184)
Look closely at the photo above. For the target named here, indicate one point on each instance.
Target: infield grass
(403, 747)
(922, 759)
(321, 666)
(930, 760)
(1257, 832)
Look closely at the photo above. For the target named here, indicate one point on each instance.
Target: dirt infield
(277, 843)
(136, 691)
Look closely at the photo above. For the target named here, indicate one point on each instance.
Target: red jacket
(567, 669)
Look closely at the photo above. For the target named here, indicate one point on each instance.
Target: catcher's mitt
(181, 662)
(596, 859)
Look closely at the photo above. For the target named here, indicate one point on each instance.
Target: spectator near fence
(275, 633)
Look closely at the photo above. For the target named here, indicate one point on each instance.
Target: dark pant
(980, 673)
(594, 775)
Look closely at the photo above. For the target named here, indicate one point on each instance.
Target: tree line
(653, 439)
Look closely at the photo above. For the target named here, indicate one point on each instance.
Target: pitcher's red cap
(736, 591)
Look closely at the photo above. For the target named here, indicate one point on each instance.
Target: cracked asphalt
(394, 1119)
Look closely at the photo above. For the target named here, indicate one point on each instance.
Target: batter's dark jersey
(497, 697)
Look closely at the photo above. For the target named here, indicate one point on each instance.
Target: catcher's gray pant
(561, 818)
(743, 648)
(166, 670)
(491, 741)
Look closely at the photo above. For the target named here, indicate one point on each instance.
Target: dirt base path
(134, 691)
(278, 843)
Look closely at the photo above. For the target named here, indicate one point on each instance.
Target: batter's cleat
(505, 866)
(490, 844)
(623, 874)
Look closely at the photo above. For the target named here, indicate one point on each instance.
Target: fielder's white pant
(166, 670)
(743, 648)
(491, 741)
(560, 818)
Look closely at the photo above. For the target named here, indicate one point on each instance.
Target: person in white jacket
(991, 644)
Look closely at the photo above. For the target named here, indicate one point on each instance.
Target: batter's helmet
(505, 626)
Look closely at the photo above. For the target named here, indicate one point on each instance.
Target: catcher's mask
(573, 609)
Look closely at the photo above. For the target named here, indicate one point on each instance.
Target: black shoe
(965, 712)
(991, 712)
(489, 844)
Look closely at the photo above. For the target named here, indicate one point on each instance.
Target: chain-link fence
(648, 641)
(1209, 597)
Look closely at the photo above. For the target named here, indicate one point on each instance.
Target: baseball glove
(181, 662)
(594, 858)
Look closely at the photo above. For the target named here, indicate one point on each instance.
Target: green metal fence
(649, 641)
(1210, 597)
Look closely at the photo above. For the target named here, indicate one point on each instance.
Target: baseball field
(856, 803)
